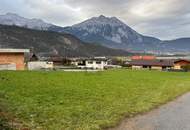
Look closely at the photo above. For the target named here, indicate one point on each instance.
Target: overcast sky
(165, 19)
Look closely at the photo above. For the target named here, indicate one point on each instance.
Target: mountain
(110, 32)
(113, 33)
(14, 19)
(106, 31)
(44, 42)
(177, 45)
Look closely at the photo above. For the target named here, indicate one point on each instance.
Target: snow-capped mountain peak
(14, 19)
(101, 20)
(109, 28)
(111, 32)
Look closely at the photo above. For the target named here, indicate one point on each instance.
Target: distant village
(24, 59)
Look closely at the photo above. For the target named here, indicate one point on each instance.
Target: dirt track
(172, 116)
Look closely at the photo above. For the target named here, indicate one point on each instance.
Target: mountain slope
(49, 42)
(178, 45)
(14, 19)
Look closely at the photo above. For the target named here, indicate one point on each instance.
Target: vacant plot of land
(85, 101)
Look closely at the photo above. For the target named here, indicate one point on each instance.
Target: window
(90, 62)
(98, 62)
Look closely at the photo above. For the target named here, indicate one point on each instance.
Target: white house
(92, 63)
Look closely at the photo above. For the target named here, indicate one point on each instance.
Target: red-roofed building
(179, 64)
(143, 58)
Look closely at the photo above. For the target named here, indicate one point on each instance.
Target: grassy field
(85, 101)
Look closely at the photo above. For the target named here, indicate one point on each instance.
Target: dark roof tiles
(152, 62)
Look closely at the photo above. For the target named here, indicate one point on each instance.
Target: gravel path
(172, 116)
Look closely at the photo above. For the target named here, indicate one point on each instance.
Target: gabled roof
(180, 60)
(92, 59)
(152, 62)
(33, 57)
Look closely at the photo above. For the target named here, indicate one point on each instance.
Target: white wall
(93, 64)
(11, 66)
(136, 67)
(156, 68)
(37, 65)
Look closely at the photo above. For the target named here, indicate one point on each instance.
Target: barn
(12, 59)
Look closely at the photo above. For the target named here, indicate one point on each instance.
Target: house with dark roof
(151, 64)
(158, 64)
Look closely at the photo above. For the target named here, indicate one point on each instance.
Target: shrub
(186, 67)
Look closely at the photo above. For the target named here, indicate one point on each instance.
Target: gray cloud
(165, 19)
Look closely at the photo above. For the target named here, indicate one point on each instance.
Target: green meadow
(83, 100)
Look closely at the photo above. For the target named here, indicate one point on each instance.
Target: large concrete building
(12, 59)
